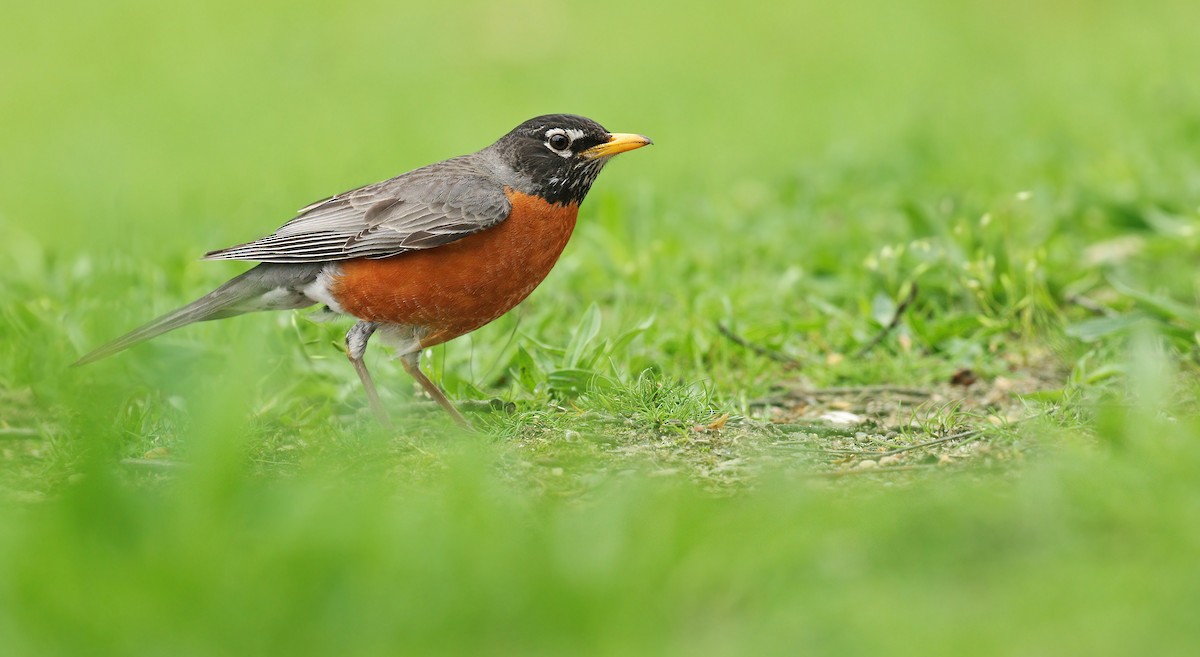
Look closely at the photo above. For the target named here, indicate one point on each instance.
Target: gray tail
(235, 297)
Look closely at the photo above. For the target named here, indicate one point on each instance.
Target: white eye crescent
(559, 140)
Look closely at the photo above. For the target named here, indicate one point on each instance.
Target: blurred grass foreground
(888, 346)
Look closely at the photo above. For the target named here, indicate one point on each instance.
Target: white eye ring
(559, 141)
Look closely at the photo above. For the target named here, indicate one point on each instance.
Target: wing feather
(422, 209)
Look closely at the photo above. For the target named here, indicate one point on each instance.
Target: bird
(421, 258)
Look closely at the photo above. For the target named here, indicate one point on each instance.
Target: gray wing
(428, 207)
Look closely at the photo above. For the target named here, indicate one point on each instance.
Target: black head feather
(548, 151)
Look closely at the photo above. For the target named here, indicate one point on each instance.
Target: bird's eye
(559, 141)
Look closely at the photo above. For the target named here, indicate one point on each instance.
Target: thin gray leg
(412, 365)
(356, 346)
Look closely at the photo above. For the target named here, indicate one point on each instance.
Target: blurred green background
(1032, 166)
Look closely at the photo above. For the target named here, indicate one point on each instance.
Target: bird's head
(560, 155)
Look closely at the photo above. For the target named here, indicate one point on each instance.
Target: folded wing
(421, 209)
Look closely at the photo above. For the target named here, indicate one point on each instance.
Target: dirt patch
(880, 429)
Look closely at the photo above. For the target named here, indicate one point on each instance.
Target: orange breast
(454, 289)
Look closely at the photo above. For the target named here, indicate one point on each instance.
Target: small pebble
(842, 418)
(866, 465)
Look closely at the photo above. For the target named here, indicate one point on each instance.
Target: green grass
(1033, 169)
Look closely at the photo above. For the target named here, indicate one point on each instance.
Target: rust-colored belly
(454, 289)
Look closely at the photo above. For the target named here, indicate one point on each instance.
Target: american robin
(424, 257)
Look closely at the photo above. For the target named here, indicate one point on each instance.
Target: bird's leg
(356, 346)
(412, 365)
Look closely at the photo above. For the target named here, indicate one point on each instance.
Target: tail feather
(233, 298)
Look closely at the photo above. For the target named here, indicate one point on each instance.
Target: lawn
(889, 344)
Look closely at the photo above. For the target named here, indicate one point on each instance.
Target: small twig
(757, 348)
(18, 432)
(802, 446)
(891, 326)
(864, 471)
(899, 450)
(842, 392)
(1091, 305)
(967, 433)
(793, 427)
(869, 390)
(945, 439)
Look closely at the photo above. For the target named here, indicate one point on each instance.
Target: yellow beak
(618, 142)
